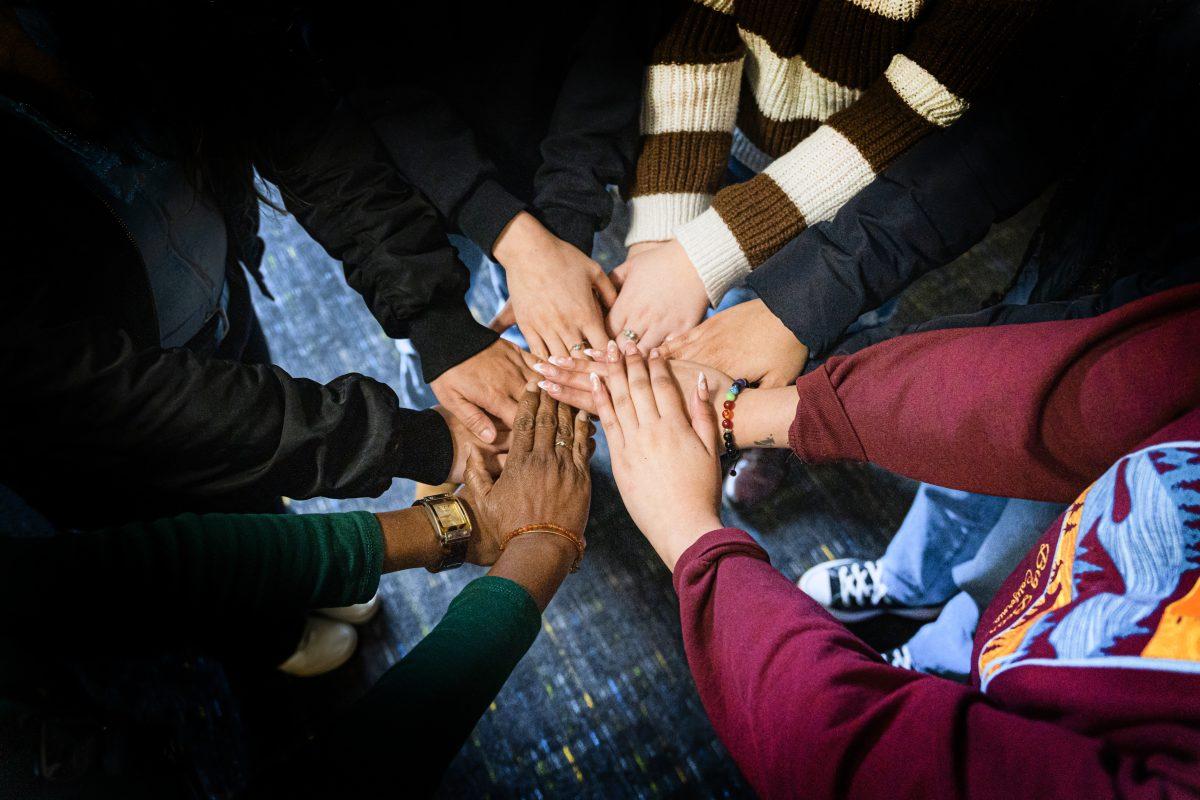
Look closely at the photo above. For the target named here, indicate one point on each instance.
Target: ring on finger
(630, 335)
(575, 348)
(560, 443)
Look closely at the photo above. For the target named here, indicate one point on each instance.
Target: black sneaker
(853, 589)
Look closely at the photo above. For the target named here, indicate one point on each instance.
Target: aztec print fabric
(1119, 584)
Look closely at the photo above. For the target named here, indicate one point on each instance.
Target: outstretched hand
(666, 465)
(661, 295)
(482, 392)
(746, 339)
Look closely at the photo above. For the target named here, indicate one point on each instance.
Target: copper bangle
(546, 527)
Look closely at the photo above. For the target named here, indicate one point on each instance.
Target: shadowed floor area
(603, 704)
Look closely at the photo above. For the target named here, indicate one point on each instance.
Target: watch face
(450, 516)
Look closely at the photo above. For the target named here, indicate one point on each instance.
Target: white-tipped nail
(702, 383)
(539, 368)
(595, 379)
(654, 352)
(548, 386)
(590, 353)
(560, 361)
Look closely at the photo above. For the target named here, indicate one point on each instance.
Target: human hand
(666, 467)
(661, 294)
(567, 379)
(553, 288)
(545, 479)
(485, 388)
(746, 340)
(493, 455)
(621, 271)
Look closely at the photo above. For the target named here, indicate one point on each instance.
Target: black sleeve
(928, 208)
(89, 404)
(592, 138)
(391, 241)
(435, 149)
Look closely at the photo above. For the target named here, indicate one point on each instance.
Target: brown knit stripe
(963, 40)
(698, 35)
(682, 161)
(782, 23)
(851, 45)
(773, 137)
(881, 125)
(760, 215)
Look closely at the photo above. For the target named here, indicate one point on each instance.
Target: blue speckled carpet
(603, 705)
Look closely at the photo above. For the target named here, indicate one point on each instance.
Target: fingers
(545, 424)
(472, 417)
(476, 476)
(666, 390)
(536, 345)
(704, 417)
(582, 446)
(607, 413)
(639, 385)
(566, 430)
(522, 435)
(618, 275)
(605, 289)
(505, 318)
(593, 333)
(571, 395)
(678, 346)
(618, 389)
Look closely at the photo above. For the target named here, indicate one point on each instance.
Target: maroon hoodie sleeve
(807, 710)
(1033, 411)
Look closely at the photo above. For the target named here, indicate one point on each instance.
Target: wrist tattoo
(767, 442)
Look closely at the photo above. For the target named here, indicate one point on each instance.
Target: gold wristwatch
(450, 520)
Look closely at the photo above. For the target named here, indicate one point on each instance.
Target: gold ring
(560, 443)
(575, 348)
(630, 335)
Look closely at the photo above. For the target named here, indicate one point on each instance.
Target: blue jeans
(956, 548)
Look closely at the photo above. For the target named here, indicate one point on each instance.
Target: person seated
(76, 598)
(1085, 671)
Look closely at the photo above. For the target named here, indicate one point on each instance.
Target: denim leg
(943, 647)
(943, 528)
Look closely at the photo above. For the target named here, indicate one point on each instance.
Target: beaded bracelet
(546, 527)
(727, 420)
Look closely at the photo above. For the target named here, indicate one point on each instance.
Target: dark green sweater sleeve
(400, 737)
(179, 576)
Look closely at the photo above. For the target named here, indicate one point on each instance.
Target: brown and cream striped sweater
(825, 93)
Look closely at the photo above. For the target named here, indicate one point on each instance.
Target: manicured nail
(613, 353)
(488, 435)
(631, 349)
(594, 354)
(541, 368)
(670, 336)
(560, 361)
(654, 352)
(595, 379)
(702, 386)
(549, 387)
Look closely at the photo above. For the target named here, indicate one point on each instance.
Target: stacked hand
(482, 392)
(746, 340)
(558, 294)
(661, 294)
(545, 479)
(664, 451)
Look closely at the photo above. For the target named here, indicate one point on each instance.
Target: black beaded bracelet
(727, 421)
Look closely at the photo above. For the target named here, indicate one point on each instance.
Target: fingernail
(488, 435)
(631, 349)
(654, 352)
(561, 361)
(702, 384)
(549, 387)
(670, 336)
(613, 353)
(596, 354)
(595, 379)
(540, 368)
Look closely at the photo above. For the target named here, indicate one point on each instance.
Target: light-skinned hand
(666, 465)
(661, 294)
(482, 391)
(557, 294)
(492, 454)
(746, 340)
(542, 481)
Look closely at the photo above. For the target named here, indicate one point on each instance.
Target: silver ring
(630, 335)
(575, 348)
(560, 443)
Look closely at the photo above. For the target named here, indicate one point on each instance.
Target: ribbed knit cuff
(715, 253)
(821, 431)
(363, 526)
(654, 217)
(483, 215)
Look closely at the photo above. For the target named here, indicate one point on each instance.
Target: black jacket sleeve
(392, 243)
(924, 211)
(592, 138)
(166, 420)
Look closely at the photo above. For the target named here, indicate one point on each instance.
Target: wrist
(522, 235)
(554, 550)
(409, 540)
(762, 417)
(682, 534)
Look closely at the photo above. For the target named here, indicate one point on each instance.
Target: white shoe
(853, 590)
(324, 646)
(359, 614)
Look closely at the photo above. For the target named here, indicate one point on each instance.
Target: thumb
(505, 318)
(473, 417)
(477, 478)
(605, 288)
(704, 418)
(619, 274)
